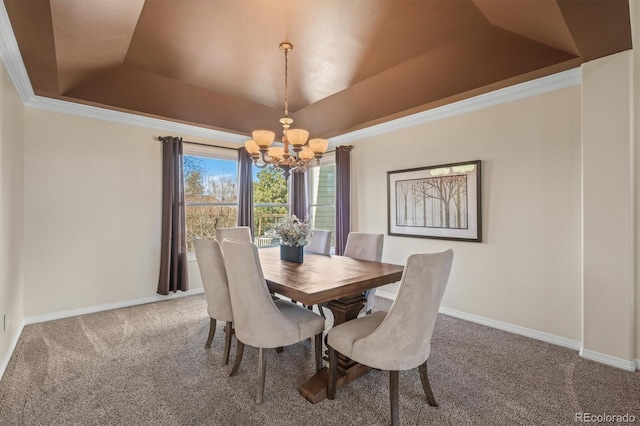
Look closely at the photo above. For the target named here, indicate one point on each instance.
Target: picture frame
(441, 202)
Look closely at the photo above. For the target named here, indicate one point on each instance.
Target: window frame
(212, 152)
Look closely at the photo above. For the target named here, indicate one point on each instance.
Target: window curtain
(298, 199)
(173, 252)
(343, 197)
(245, 189)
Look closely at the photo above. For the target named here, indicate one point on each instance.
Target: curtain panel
(343, 197)
(298, 198)
(245, 189)
(173, 252)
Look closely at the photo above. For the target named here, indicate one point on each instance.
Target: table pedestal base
(315, 389)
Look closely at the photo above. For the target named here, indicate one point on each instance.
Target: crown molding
(538, 86)
(10, 54)
(65, 107)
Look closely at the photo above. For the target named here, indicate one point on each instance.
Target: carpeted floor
(147, 365)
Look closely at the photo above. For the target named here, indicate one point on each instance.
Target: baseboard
(534, 334)
(109, 306)
(12, 347)
(613, 361)
(522, 331)
(527, 332)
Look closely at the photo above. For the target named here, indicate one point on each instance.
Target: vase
(291, 254)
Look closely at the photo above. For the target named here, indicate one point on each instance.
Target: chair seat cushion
(307, 321)
(343, 336)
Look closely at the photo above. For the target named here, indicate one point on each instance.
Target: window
(210, 186)
(270, 202)
(322, 195)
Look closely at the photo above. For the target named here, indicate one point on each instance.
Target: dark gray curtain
(298, 195)
(173, 252)
(343, 197)
(245, 189)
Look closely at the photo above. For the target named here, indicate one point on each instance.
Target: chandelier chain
(286, 85)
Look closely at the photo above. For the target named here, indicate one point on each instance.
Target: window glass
(210, 186)
(270, 202)
(322, 195)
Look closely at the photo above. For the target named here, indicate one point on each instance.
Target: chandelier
(304, 151)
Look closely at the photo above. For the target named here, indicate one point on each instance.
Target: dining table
(336, 282)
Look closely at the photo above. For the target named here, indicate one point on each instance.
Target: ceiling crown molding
(10, 55)
(538, 86)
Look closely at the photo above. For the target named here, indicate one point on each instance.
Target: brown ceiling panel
(478, 60)
(354, 63)
(127, 88)
(91, 36)
(525, 19)
(33, 28)
(600, 28)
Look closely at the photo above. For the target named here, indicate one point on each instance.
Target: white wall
(526, 272)
(11, 215)
(92, 212)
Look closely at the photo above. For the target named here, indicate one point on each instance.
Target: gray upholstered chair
(365, 247)
(260, 321)
(320, 242)
(216, 289)
(400, 339)
(240, 233)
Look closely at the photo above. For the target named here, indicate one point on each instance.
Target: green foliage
(271, 188)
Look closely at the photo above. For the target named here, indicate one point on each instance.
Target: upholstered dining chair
(260, 321)
(216, 290)
(320, 242)
(400, 339)
(365, 246)
(241, 233)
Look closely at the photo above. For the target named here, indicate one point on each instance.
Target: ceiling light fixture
(304, 152)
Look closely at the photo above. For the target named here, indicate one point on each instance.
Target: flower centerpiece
(294, 234)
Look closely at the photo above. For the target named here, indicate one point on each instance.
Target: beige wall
(608, 207)
(11, 212)
(92, 212)
(635, 27)
(527, 270)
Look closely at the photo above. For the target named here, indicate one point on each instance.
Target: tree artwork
(434, 202)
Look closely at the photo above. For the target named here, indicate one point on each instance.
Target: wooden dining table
(336, 282)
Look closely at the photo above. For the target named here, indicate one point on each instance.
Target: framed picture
(436, 202)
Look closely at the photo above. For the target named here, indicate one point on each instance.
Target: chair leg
(393, 396)
(212, 332)
(262, 367)
(227, 342)
(426, 386)
(322, 312)
(333, 373)
(239, 353)
(318, 347)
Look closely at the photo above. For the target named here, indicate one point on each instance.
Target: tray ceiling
(216, 64)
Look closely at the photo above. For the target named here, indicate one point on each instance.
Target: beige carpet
(147, 365)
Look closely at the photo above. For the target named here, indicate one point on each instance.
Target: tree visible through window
(270, 199)
(211, 199)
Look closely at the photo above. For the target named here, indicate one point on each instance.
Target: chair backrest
(240, 233)
(320, 242)
(403, 340)
(258, 322)
(214, 278)
(364, 246)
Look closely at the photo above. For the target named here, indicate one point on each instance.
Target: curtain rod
(227, 147)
